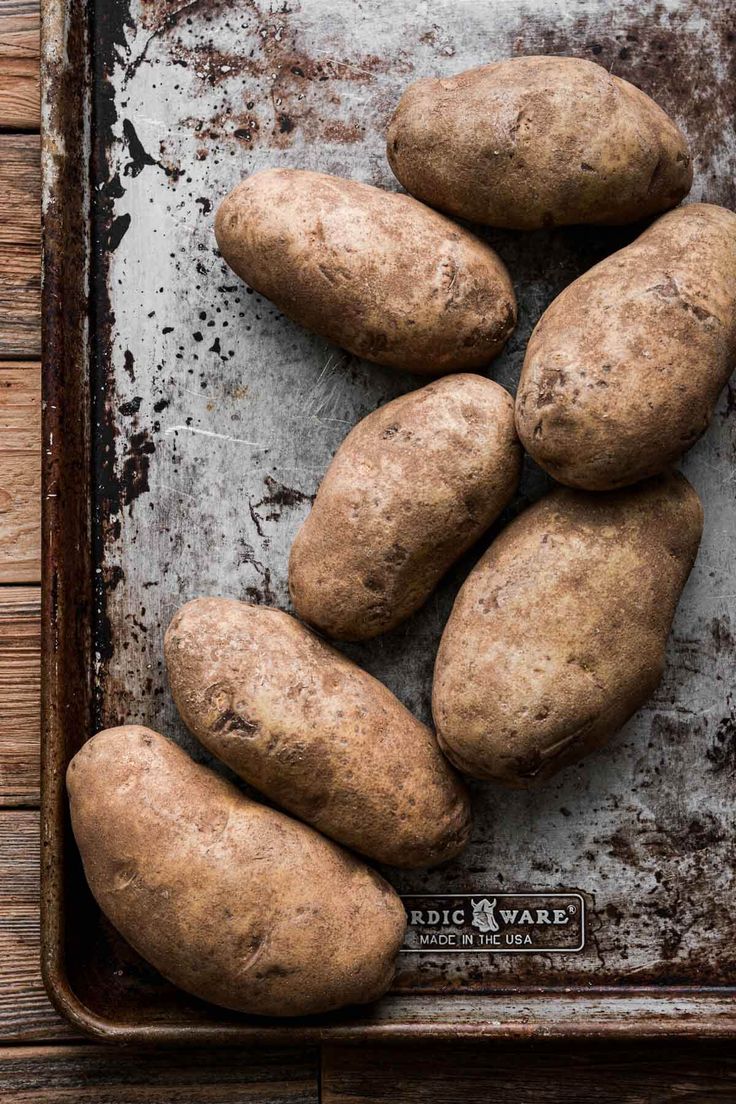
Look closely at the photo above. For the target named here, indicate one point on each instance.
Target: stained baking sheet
(214, 418)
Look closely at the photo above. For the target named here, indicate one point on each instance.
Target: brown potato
(229, 900)
(410, 489)
(558, 635)
(623, 370)
(538, 141)
(374, 271)
(314, 732)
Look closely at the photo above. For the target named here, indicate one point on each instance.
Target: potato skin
(558, 635)
(373, 271)
(231, 901)
(318, 735)
(623, 370)
(410, 489)
(538, 141)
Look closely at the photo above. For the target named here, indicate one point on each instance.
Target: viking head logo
(484, 917)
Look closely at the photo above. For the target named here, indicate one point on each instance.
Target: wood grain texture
(25, 1011)
(19, 93)
(20, 246)
(20, 474)
(20, 187)
(20, 692)
(19, 52)
(464, 1073)
(91, 1075)
(20, 301)
(20, 407)
(20, 29)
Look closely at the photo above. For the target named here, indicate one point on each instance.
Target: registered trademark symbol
(571, 909)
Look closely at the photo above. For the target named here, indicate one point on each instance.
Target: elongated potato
(228, 899)
(538, 141)
(623, 370)
(558, 635)
(375, 272)
(314, 732)
(410, 489)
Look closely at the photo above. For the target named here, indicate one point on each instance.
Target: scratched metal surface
(216, 418)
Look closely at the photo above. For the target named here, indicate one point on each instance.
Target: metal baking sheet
(188, 425)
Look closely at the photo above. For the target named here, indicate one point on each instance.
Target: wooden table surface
(41, 1058)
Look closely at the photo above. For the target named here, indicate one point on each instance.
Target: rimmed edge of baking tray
(67, 661)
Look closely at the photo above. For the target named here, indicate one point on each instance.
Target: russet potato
(410, 489)
(231, 901)
(623, 370)
(314, 732)
(558, 635)
(536, 141)
(375, 272)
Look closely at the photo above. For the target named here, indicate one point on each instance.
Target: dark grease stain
(131, 407)
(730, 405)
(116, 231)
(722, 752)
(281, 497)
(262, 594)
(129, 364)
(723, 638)
(113, 576)
(115, 189)
(134, 473)
(139, 158)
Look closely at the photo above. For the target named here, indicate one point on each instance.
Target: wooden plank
(20, 29)
(20, 474)
(20, 301)
(20, 246)
(20, 101)
(20, 107)
(25, 1011)
(89, 1075)
(20, 187)
(459, 1073)
(20, 517)
(20, 406)
(20, 694)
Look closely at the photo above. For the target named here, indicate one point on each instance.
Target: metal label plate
(495, 923)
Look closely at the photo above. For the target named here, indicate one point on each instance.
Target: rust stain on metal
(288, 92)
